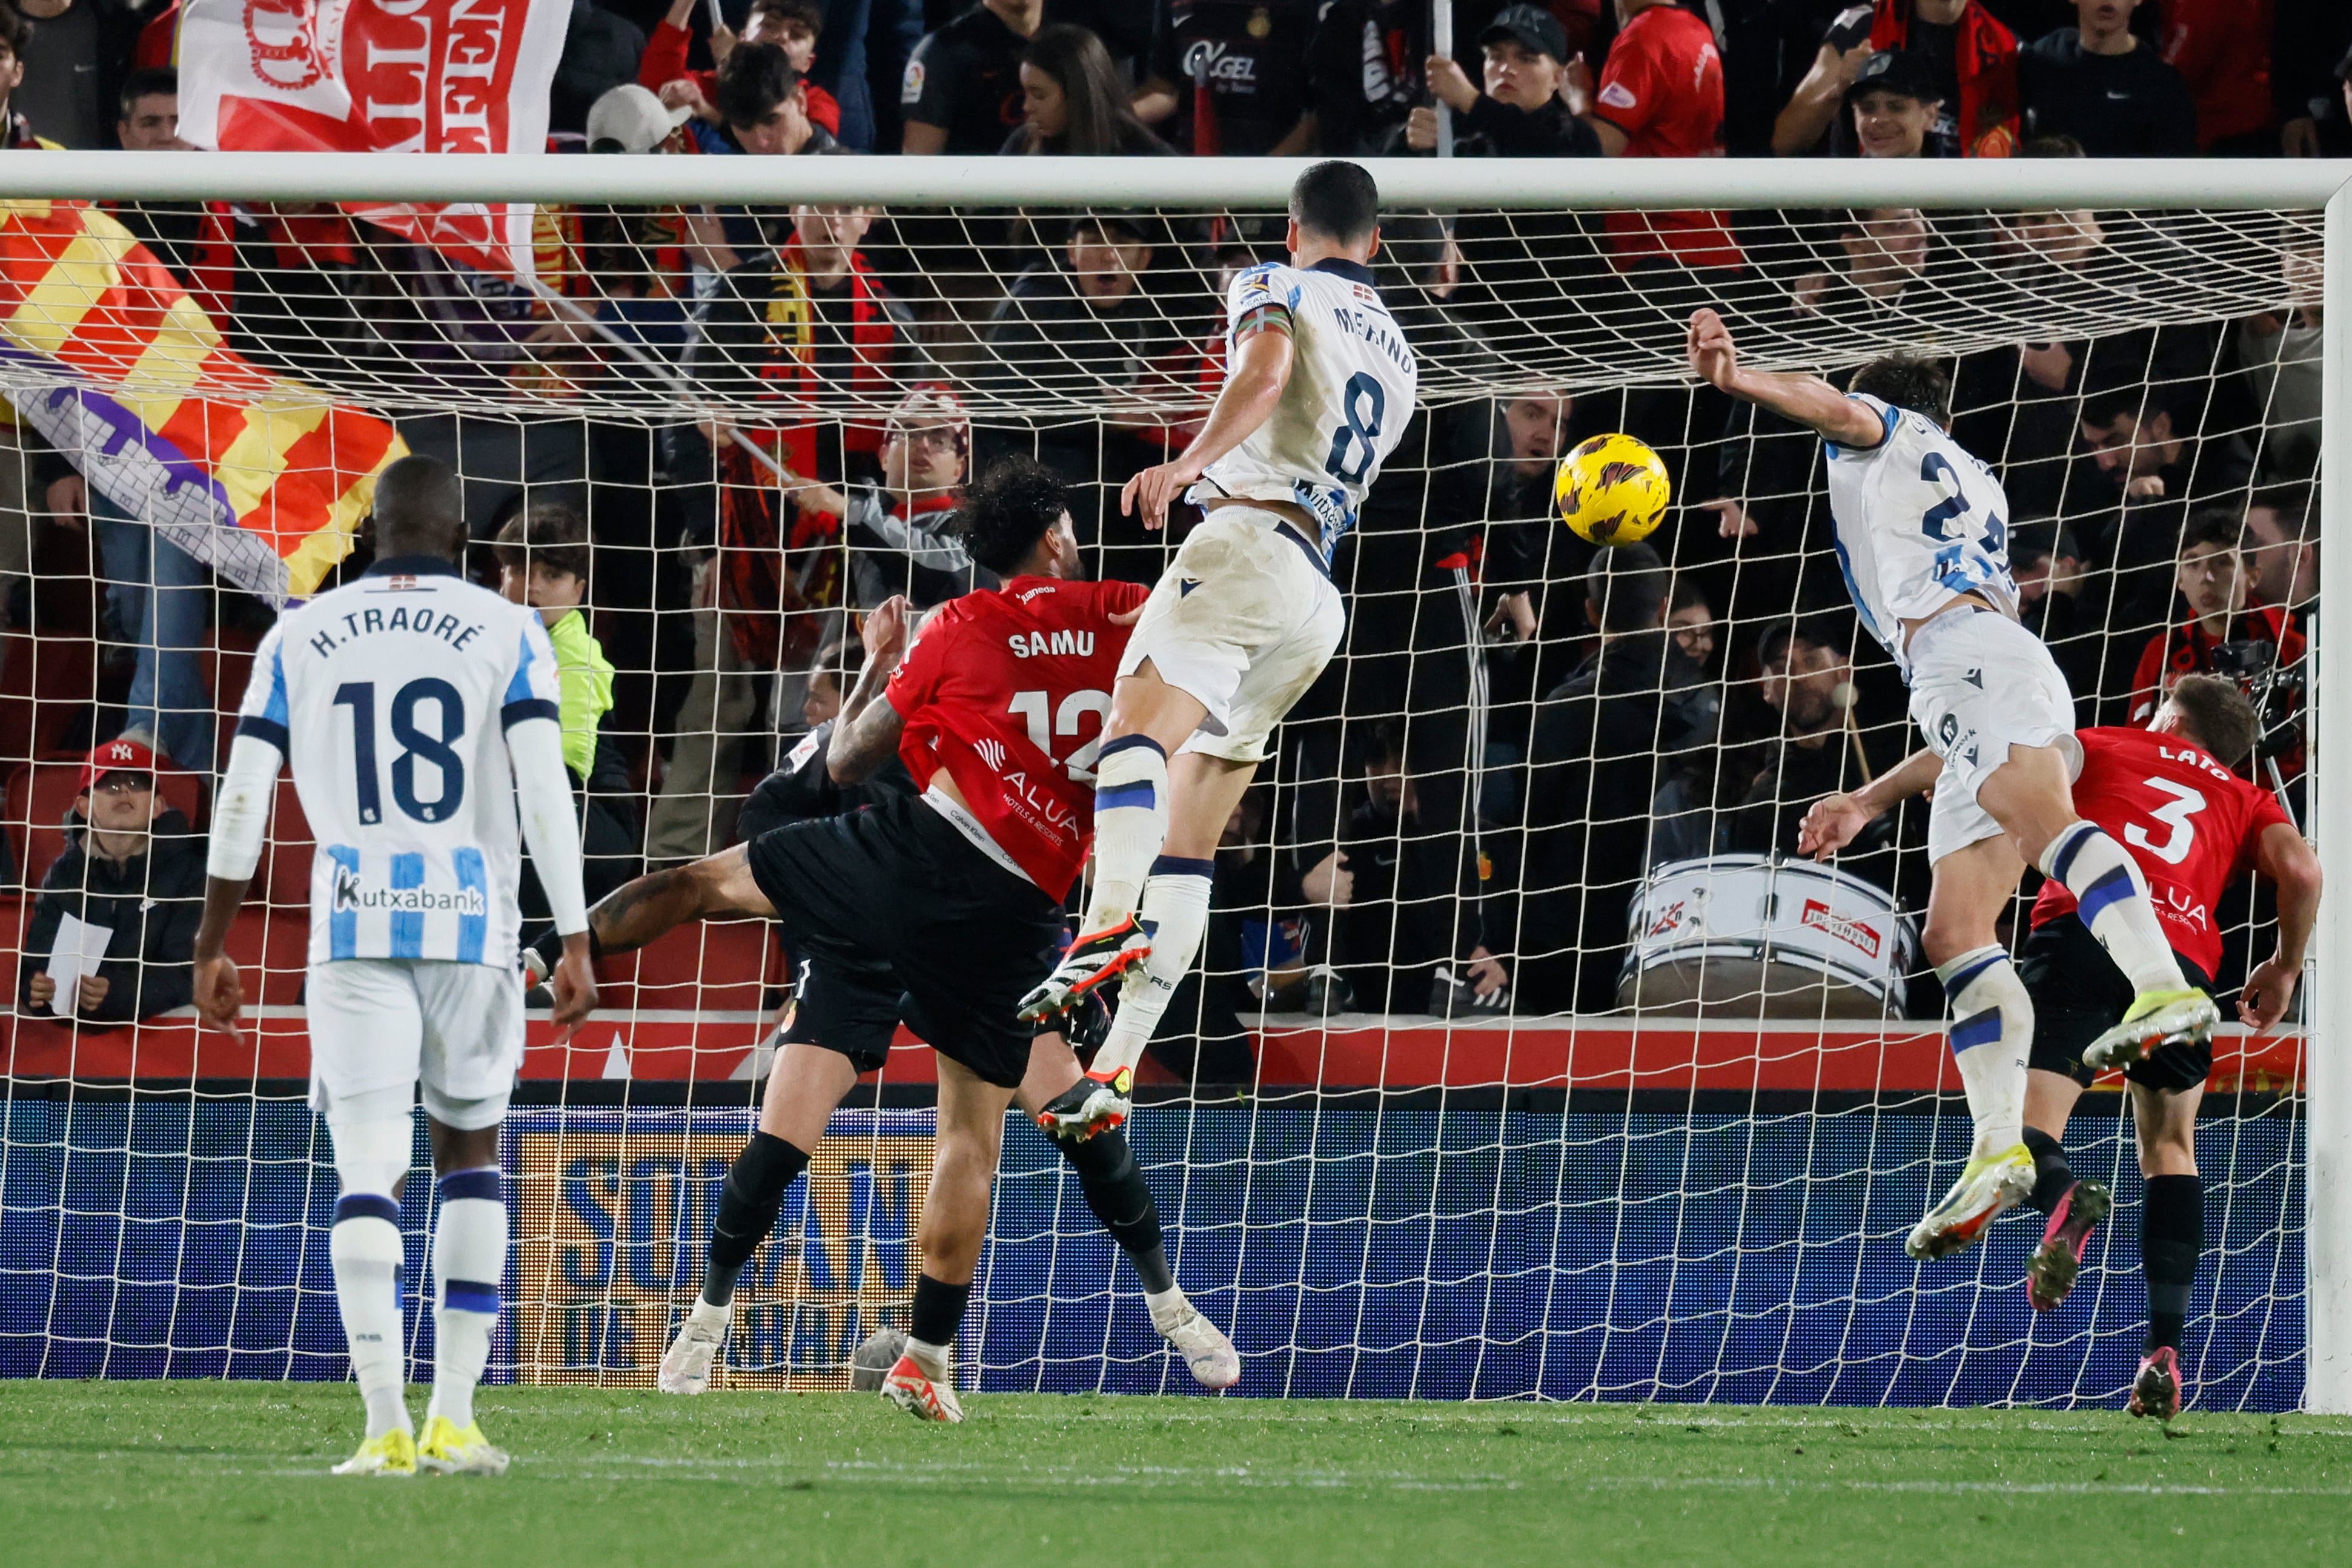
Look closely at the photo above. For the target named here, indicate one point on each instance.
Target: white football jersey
(1351, 389)
(390, 697)
(1919, 522)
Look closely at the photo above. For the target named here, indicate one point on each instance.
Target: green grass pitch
(177, 1473)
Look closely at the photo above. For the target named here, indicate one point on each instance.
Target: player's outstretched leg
(2074, 1207)
(2111, 898)
(1992, 1028)
(1131, 824)
(372, 1148)
(470, 1255)
(1175, 912)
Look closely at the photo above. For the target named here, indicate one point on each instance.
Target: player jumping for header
(1319, 385)
(1923, 539)
(2193, 826)
(417, 710)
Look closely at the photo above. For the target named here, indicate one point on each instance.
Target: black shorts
(2079, 995)
(965, 938)
(846, 1002)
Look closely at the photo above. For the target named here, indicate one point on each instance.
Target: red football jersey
(1663, 86)
(2191, 823)
(1008, 689)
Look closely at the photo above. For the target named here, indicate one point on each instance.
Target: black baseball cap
(1530, 27)
(1900, 72)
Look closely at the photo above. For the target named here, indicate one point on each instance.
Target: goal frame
(2323, 185)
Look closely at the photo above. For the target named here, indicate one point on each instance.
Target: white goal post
(2303, 186)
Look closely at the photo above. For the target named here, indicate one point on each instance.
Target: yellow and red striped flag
(105, 354)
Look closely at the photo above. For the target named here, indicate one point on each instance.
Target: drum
(1760, 936)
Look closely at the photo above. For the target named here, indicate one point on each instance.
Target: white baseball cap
(634, 116)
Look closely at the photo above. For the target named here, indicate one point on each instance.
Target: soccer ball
(1612, 490)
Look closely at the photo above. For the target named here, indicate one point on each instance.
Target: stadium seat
(45, 683)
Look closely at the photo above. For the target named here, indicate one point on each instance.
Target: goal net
(1528, 1058)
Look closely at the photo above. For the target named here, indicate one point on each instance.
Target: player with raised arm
(419, 714)
(1319, 385)
(959, 888)
(849, 1000)
(1922, 537)
(2193, 826)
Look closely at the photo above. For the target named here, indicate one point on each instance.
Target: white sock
(365, 1249)
(469, 1259)
(1992, 1037)
(1131, 821)
(938, 1360)
(2111, 897)
(1175, 910)
(1166, 1305)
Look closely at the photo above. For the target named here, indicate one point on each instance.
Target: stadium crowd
(1522, 729)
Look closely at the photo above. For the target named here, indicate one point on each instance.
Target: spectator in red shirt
(793, 25)
(1661, 96)
(2222, 50)
(2215, 589)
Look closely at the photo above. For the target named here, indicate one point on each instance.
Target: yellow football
(1612, 490)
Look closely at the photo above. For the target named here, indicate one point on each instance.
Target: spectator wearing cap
(1661, 96)
(1072, 103)
(630, 118)
(1892, 107)
(2100, 84)
(793, 25)
(543, 561)
(132, 869)
(1966, 64)
(1521, 114)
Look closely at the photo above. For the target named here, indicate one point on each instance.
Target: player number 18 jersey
(1353, 382)
(390, 697)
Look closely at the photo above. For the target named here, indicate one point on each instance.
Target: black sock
(939, 1310)
(2171, 1235)
(1116, 1191)
(748, 1206)
(2052, 1174)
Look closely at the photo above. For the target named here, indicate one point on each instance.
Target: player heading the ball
(1922, 534)
(417, 710)
(1318, 387)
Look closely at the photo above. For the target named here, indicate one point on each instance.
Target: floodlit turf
(235, 1474)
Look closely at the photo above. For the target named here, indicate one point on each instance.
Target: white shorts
(1979, 684)
(1244, 619)
(383, 1025)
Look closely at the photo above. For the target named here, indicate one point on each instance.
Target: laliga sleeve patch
(1616, 95)
(911, 86)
